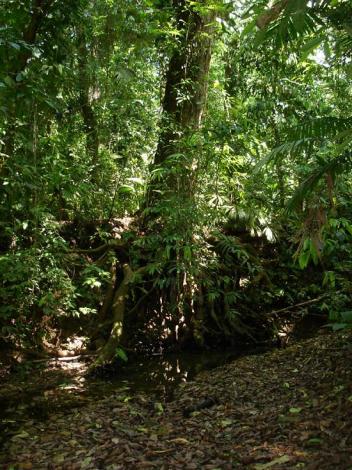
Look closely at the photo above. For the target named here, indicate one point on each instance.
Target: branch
(140, 301)
(112, 245)
(307, 302)
(271, 14)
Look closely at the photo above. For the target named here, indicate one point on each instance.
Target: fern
(284, 150)
(312, 137)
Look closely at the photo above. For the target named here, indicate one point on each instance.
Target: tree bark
(108, 352)
(185, 90)
(183, 110)
(271, 14)
(85, 102)
(39, 12)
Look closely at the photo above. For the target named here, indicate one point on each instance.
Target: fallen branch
(73, 358)
(64, 358)
(301, 304)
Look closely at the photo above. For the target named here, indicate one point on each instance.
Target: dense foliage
(173, 172)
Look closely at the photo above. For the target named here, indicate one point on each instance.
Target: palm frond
(320, 128)
(344, 43)
(302, 138)
(333, 167)
(290, 148)
(294, 21)
(288, 20)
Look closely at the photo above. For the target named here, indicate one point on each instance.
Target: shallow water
(160, 375)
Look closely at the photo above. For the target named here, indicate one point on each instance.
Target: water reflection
(163, 373)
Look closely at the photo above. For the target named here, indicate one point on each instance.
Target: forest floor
(284, 409)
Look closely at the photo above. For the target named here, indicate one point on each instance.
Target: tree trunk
(183, 109)
(40, 10)
(175, 158)
(108, 352)
(185, 90)
(85, 102)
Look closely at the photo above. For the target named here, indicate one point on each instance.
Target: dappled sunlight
(175, 230)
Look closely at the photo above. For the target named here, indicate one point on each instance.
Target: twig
(139, 302)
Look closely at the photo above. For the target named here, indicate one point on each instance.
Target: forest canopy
(173, 173)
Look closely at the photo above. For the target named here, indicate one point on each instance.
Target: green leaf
(226, 422)
(311, 45)
(86, 462)
(187, 253)
(249, 28)
(338, 326)
(15, 45)
(346, 316)
(295, 410)
(125, 189)
(314, 441)
(313, 252)
(21, 435)
(9, 82)
(121, 354)
(303, 259)
(159, 407)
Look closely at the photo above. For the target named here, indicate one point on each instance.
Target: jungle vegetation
(173, 173)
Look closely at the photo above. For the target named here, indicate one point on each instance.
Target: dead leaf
(179, 440)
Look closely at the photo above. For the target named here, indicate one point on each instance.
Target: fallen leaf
(160, 452)
(279, 460)
(87, 461)
(25, 466)
(226, 422)
(21, 435)
(179, 440)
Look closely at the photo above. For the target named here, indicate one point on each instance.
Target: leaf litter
(284, 409)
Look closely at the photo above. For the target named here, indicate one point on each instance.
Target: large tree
(183, 107)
